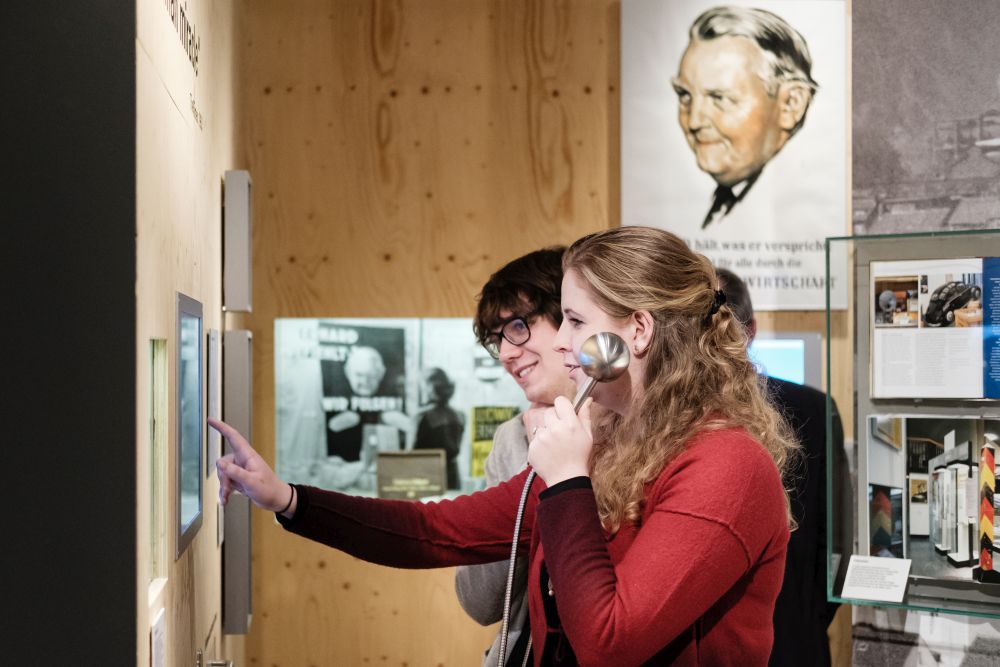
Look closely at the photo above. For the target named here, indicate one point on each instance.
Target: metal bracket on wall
(199, 661)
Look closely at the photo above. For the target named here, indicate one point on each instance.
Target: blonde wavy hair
(698, 376)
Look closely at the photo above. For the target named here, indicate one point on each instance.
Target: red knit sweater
(694, 584)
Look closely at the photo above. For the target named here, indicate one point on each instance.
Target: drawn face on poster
(733, 136)
(738, 101)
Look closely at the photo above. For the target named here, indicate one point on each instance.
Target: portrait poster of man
(363, 389)
(734, 136)
(347, 389)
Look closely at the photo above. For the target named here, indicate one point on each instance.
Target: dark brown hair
(737, 295)
(527, 285)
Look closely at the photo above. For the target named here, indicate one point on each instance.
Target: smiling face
(582, 318)
(729, 120)
(535, 366)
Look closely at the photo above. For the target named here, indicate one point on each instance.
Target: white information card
(158, 640)
(877, 579)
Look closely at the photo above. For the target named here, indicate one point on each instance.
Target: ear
(793, 100)
(641, 325)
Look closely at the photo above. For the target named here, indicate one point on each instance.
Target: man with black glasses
(516, 320)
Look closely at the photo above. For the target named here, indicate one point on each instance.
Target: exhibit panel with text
(928, 338)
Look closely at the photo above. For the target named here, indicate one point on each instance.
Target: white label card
(158, 640)
(878, 579)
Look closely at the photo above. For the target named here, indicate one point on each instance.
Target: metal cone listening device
(603, 357)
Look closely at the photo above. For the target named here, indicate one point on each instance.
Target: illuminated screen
(782, 358)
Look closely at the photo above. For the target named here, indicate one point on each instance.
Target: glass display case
(914, 520)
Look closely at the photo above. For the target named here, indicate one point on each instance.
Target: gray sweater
(481, 588)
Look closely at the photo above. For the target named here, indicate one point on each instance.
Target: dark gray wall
(68, 332)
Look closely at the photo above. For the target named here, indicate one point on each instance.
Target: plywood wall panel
(401, 151)
(441, 153)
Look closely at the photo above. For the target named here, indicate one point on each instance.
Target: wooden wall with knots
(402, 150)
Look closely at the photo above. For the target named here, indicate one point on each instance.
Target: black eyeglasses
(514, 330)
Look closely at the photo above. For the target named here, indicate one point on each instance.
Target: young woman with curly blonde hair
(697, 374)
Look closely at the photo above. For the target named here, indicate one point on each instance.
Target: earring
(638, 350)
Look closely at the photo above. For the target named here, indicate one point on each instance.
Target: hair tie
(720, 298)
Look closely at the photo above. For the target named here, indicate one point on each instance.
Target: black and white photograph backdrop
(347, 389)
(734, 136)
(926, 116)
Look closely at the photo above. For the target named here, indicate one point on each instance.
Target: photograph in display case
(354, 396)
(918, 500)
(945, 520)
(896, 302)
(885, 505)
(934, 328)
(887, 429)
